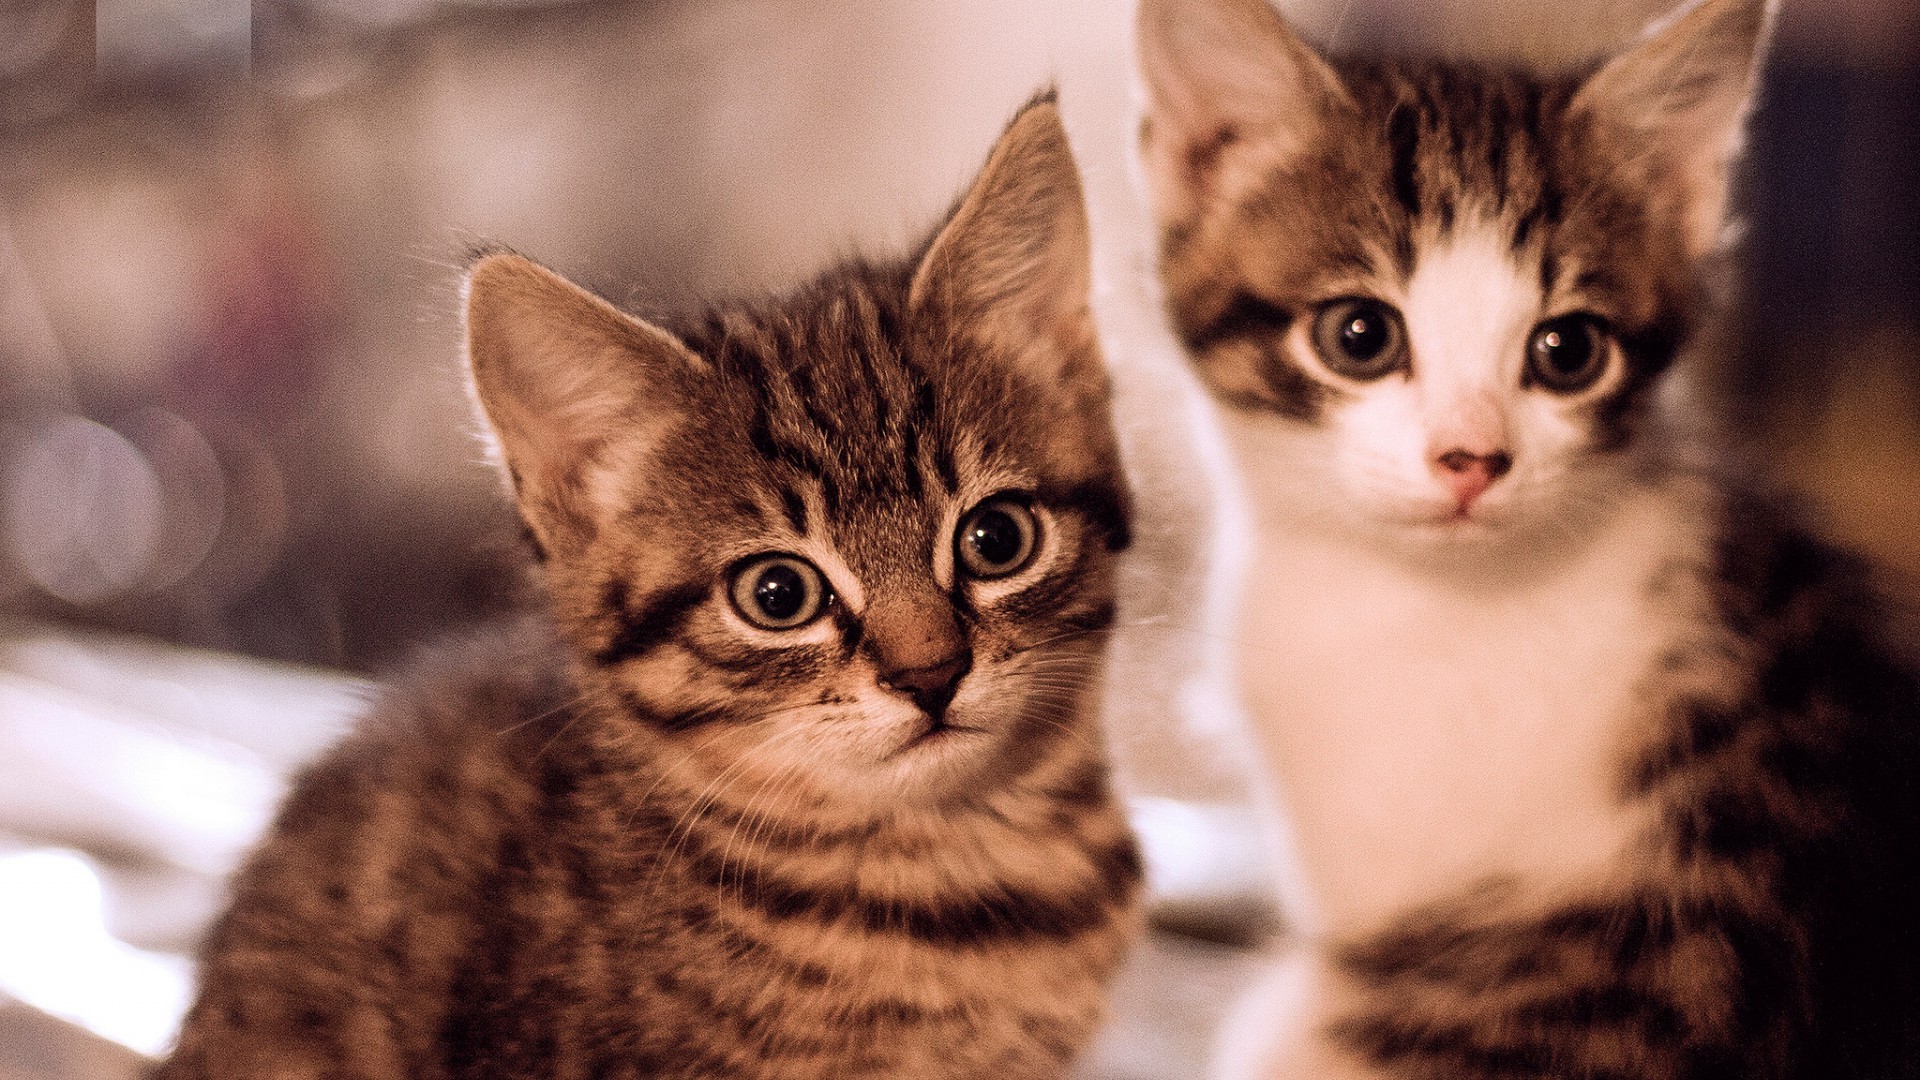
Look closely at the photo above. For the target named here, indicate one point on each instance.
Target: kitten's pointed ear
(1012, 265)
(1232, 91)
(572, 389)
(1681, 97)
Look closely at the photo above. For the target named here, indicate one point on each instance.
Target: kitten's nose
(919, 650)
(931, 688)
(1468, 475)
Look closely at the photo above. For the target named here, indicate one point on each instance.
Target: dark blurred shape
(46, 58)
(1823, 376)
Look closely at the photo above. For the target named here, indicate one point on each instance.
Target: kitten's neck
(1430, 730)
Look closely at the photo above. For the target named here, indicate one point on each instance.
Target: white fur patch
(1431, 725)
(1470, 308)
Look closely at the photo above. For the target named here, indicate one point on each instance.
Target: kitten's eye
(997, 537)
(1568, 354)
(779, 592)
(1360, 339)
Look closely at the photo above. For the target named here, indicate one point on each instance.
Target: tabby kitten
(799, 775)
(1598, 765)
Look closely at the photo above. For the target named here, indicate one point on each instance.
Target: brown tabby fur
(1764, 926)
(582, 845)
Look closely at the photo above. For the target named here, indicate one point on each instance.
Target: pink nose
(1468, 475)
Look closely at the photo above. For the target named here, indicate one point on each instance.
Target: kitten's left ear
(1011, 266)
(571, 387)
(1682, 96)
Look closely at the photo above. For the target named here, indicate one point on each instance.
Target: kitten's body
(861, 830)
(1650, 815)
(1598, 766)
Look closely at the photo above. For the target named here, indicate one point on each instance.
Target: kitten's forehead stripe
(1403, 135)
(795, 508)
(829, 396)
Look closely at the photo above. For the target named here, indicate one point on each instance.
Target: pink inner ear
(1010, 271)
(1233, 92)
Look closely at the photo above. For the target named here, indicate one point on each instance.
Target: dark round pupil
(1565, 349)
(780, 592)
(995, 537)
(1363, 334)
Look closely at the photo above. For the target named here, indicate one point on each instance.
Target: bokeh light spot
(82, 510)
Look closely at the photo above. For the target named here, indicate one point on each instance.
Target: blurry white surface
(281, 712)
(133, 776)
(56, 954)
(97, 778)
(1207, 867)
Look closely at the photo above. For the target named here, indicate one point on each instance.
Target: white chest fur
(1427, 733)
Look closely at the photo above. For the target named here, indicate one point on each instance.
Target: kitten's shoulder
(489, 681)
(382, 862)
(1783, 576)
(1772, 550)
(449, 753)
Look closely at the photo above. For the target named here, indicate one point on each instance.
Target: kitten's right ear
(1232, 91)
(572, 388)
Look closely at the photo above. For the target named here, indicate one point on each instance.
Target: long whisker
(682, 830)
(753, 811)
(572, 700)
(764, 819)
(715, 735)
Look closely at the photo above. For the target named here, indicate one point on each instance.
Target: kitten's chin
(917, 760)
(936, 737)
(1447, 539)
(962, 757)
(1505, 541)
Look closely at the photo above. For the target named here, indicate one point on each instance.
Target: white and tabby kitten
(1595, 763)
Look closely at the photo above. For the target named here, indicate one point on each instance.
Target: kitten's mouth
(1455, 518)
(939, 729)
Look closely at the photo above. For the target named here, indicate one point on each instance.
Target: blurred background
(237, 474)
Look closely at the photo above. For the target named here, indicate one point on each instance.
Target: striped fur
(634, 835)
(1605, 769)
